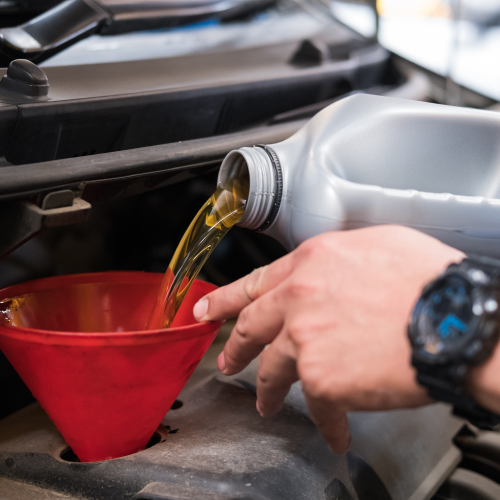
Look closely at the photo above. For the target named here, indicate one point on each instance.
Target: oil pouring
(363, 161)
(216, 217)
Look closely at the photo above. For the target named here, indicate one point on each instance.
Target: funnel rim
(194, 331)
(38, 334)
(38, 284)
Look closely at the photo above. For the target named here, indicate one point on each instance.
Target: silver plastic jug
(369, 160)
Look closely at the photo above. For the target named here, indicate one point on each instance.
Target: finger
(277, 372)
(331, 422)
(228, 301)
(257, 326)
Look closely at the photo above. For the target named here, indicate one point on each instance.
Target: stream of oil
(216, 217)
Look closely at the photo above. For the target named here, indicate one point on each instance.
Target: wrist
(483, 382)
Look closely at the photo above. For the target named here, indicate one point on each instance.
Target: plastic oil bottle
(369, 160)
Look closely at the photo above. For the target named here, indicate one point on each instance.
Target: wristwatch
(455, 326)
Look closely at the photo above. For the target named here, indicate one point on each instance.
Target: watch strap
(447, 384)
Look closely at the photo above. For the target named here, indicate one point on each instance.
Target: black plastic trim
(19, 181)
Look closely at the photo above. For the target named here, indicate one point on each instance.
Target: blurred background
(459, 39)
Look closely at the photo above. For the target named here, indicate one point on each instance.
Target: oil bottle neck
(264, 172)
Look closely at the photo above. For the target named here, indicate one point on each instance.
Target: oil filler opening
(68, 455)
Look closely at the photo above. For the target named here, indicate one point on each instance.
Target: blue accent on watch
(451, 321)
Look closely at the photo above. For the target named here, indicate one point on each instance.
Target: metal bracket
(21, 220)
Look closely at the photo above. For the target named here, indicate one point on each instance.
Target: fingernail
(200, 309)
(221, 362)
(258, 408)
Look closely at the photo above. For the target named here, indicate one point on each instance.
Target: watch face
(445, 318)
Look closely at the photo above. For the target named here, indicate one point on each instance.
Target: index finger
(228, 301)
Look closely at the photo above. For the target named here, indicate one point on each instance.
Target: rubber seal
(279, 186)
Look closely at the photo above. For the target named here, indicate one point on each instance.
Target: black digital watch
(454, 326)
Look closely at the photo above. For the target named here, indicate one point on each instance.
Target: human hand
(334, 313)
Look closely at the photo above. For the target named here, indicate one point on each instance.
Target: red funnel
(104, 383)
